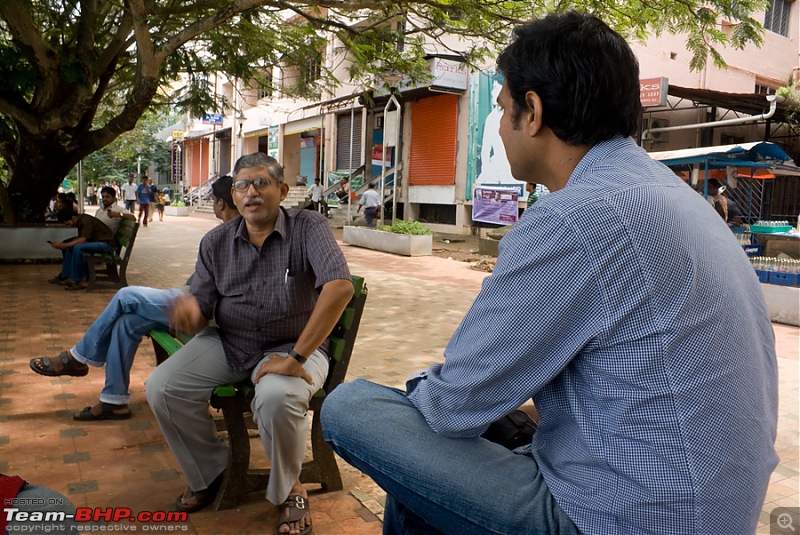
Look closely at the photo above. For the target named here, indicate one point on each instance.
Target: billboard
(495, 205)
(487, 163)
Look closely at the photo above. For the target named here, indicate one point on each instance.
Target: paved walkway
(414, 306)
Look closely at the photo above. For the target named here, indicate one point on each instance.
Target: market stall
(745, 168)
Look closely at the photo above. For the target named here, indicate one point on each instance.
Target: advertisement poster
(495, 205)
(487, 162)
(273, 142)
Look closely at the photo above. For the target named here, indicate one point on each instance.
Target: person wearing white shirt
(129, 195)
(370, 200)
(109, 213)
(315, 193)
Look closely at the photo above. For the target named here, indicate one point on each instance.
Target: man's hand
(57, 245)
(186, 315)
(282, 365)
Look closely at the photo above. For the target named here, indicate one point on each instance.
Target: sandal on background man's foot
(293, 510)
(75, 285)
(46, 366)
(58, 279)
(103, 411)
(192, 501)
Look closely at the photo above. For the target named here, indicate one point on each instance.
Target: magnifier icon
(785, 521)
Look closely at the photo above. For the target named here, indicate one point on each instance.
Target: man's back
(665, 415)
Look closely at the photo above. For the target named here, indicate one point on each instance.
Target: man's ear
(532, 116)
(284, 190)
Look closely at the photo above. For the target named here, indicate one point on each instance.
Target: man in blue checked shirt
(647, 350)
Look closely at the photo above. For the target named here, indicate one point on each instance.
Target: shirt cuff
(414, 380)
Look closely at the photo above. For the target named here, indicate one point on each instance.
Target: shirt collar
(281, 226)
(599, 152)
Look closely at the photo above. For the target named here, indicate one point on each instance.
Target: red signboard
(653, 91)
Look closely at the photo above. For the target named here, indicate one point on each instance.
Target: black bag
(512, 430)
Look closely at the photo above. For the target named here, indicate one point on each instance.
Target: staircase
(296, 197)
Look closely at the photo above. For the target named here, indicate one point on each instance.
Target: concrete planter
(389, 242)
(782, 303)
(180, 211)
(23, 243)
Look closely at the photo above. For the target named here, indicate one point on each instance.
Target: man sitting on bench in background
(114, 337)
(109, 213)
(276, 282)
(94, 236)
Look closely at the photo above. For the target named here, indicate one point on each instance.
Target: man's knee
(276, 401)
(347, 400)
(155, 388)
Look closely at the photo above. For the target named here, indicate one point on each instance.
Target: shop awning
(758, 154)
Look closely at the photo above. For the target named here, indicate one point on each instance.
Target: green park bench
(110, 277)
(234, 402)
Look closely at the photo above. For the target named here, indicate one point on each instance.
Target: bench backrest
(125, 236)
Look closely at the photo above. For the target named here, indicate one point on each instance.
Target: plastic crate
(763, 276)
(784, 279)
(753, 249)
(770, 230)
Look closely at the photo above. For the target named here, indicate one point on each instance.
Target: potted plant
(408, 238)
(177, 208)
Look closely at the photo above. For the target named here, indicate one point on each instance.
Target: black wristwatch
(296, 356)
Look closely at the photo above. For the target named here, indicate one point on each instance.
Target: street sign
(177, 135)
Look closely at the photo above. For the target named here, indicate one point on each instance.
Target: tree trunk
(35, 178)
(6, 209)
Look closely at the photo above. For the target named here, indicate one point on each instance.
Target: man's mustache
(254, 201)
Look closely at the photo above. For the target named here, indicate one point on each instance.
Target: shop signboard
(495, 205)
(213, 118)
(653, 91)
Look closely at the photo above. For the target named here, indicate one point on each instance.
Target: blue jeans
(369, 215)
(437, 484)
(74, 268)
(114, 337)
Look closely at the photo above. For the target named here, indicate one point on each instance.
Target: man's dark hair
(371, 186)
(584, 72)
(66, 213)
(221, 189)
(108, 189)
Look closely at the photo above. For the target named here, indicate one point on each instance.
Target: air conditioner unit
(655, 137)
(658, 137)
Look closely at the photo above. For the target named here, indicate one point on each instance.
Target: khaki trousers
(178, 391)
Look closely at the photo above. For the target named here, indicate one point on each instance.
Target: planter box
(180, 211)
(29, 242)
(402, 244)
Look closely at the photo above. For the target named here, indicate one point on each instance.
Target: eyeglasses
(259, 183)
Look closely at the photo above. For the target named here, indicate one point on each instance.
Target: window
(777, 17)
(263, 85)
(764, 90)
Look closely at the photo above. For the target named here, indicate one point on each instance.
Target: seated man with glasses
(275, 282)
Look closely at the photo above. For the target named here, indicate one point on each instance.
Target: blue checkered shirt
(625, 308)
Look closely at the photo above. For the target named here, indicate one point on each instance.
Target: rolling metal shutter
(343, 129)
(434, 123)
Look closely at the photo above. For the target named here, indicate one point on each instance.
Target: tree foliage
(77, 74)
